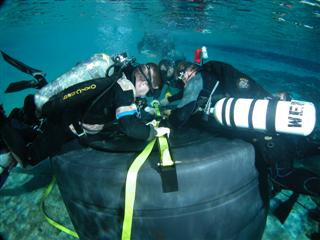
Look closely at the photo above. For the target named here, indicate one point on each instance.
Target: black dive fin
(39, 76)
(21, 85)
(283, 210)
(21, 66)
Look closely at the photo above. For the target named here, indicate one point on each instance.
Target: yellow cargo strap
(129, 195)
(130, 191)
(165, 156)
(50, 220)
(131, 181)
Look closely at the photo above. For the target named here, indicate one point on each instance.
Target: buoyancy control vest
(81, 84)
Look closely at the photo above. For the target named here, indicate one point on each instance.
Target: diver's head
(184, 71)
(166, 70)
(146, 78)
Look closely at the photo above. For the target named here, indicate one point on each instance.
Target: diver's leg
(14, 142)
(13, 139)
(44, 145)
(309, 146)
(298, 180)
(47, 143)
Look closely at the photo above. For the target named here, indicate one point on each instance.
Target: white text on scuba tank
(79, 91)
(295, 114)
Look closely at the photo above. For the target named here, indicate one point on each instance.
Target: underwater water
(275, 42)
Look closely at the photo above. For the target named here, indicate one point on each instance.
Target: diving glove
(150, 110)
(161, 131)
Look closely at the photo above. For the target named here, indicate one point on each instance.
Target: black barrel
(218, 195)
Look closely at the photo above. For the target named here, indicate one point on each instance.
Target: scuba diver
(154, 45)
(202, 79)
(173, 88)
(206, 84)
(167, 68)
(86, 100)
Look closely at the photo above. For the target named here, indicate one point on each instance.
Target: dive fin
(21, 85)
(283, 210)
(39, 76)
(21, 66)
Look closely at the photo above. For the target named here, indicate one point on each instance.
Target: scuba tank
(200, 54)
(83, 84)
(95, 67)
(292, 117)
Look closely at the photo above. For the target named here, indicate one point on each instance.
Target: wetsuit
(117, 105)
(277, 151)
(196, 92)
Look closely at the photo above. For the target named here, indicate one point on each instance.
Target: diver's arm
(126, 111)
(133, 127)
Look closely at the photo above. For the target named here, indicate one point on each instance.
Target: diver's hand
(161, 131)
(164, 101)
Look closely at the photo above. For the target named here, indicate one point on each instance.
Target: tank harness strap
(271, 116)
(224, 106)
(233, 103)
(50, 220)
(79, 131)
(252, 104)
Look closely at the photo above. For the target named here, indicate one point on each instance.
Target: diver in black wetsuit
(167, 68)
(90, 118)
(22, 121)
(154, 45)
(277, 151)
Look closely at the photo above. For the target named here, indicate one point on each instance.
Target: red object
(197, 55)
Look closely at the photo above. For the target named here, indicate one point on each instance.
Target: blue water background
(275, 42)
